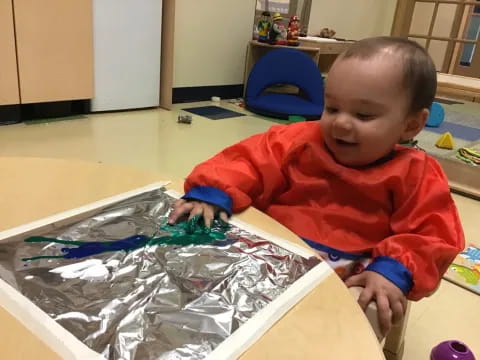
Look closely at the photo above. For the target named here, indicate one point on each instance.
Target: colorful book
(465, 269)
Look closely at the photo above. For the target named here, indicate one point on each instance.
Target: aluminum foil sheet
(155, 302)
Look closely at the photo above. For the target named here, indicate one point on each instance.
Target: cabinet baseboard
(204, 93)
(54, 109)
(10, 114)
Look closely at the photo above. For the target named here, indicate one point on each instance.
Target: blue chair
(288, 67)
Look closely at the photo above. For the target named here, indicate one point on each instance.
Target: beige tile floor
(145, 139)
(427, 138)
(153, 140)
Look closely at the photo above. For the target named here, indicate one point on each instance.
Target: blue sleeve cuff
(394, 271)
(211, 195)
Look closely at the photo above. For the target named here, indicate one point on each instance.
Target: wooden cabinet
(54, 49)
(8, 62)
(46, 51)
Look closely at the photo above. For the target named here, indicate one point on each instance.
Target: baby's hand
(391, 303)
(193, 208)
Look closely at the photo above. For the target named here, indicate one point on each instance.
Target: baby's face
(365, 109)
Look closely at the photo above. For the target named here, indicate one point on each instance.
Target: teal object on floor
(436, 116)
(295, 118)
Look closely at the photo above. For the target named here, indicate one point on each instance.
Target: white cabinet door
(127, 36)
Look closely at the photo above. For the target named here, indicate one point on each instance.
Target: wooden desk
(327, 322)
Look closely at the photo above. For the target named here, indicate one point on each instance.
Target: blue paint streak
(96, 247)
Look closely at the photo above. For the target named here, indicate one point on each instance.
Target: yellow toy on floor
(445, 141)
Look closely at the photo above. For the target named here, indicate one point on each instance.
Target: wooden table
(326, 323)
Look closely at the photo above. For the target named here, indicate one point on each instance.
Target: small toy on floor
(238, 101)
(469, 156)
(451, 350)
(184, 119)
(445, 141)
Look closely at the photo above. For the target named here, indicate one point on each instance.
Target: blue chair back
(286, 66)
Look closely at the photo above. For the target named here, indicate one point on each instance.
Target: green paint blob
(43, 257)
(40, 239)
(192, 232)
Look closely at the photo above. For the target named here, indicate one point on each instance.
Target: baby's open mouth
(345, 143)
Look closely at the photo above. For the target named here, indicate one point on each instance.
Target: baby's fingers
(384, 313)
(365, 297)
(398, 312)
(356, 280)
(223, 215)
(197, 210)
(208, 214)
(180, 208)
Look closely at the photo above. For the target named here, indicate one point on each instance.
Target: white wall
(352, 19)
(211, 36)
(211, 39)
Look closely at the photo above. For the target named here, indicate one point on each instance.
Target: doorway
(448, 29)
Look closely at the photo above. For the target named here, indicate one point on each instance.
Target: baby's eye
(363, 116)
(331, 109)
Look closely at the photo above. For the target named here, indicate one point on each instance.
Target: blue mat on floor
(214, 112)
(459, 131)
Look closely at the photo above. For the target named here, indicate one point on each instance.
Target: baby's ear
(414, 124)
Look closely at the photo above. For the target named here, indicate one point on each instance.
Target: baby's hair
(420, 76)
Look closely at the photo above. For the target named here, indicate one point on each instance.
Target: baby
(381, 214)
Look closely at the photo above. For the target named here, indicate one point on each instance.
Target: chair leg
(395, 340)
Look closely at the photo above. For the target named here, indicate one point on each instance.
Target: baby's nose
(342, 124)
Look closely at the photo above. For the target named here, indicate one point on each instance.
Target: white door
(127, 36)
